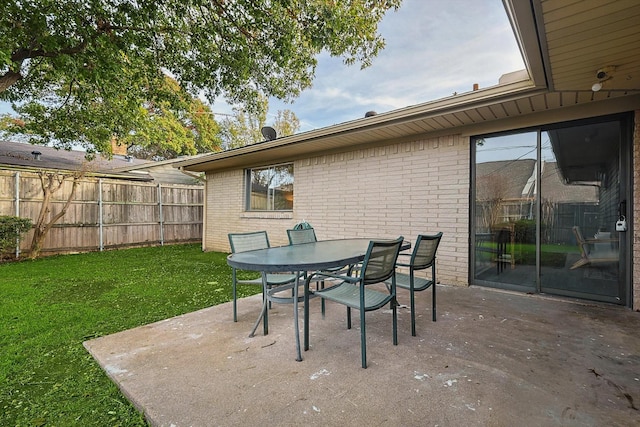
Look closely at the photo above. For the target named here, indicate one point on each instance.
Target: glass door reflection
(505, 211)
(546, 207)
(580, 251)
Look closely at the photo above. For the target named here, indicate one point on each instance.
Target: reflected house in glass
(421, 169)
(506, 194)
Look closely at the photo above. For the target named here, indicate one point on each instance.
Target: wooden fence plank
(123, 214)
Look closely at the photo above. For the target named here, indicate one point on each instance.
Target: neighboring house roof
(166, 171)
(555, 189)
(563, 42)
(17, 155)
(504, 179)
(509, 179)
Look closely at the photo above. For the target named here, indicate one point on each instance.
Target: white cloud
(434, 48)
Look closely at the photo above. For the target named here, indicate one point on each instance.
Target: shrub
(11, 227)
(525, 230)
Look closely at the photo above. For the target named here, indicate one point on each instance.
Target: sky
(434, 48)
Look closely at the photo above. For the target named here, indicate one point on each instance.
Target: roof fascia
(30, 169)
(528, 31)
(429, 109)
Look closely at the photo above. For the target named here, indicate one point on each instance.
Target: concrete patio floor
(492, 358)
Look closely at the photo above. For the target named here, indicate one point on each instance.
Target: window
(270, 188)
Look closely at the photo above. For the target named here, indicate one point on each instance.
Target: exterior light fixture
(603, 74)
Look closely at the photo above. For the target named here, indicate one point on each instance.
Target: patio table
(305, 257)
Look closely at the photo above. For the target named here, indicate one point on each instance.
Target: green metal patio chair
(308, 235)
(355, 292)
(242, 242)
(422, 257)
(299, 236)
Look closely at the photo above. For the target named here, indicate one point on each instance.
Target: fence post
(160, 215)
(17, 209)
(100, 221)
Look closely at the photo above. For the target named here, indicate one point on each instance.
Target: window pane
(271, 188)
(580, 202)
(282, 188)
(505, 209)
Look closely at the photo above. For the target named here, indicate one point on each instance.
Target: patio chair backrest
(380, 261)
(301, 235)
(424, 251)
(242, 242)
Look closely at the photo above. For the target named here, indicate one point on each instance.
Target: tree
(163, 129)
(286, 123)
(51, 182)
(82, 70)
(244, 127)
(490, 195)
(167, 134)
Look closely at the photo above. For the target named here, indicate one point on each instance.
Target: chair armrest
(399, 263)
(317, 274)
(594, 240)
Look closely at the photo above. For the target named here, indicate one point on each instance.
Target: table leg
(263, 312)
(295, 317)
(306, 315)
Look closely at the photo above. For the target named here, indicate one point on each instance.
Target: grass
(49, 306)
(550, 255)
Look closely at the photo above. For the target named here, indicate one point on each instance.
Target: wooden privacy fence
(106, 213)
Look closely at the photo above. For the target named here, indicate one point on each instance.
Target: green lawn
(48, 307)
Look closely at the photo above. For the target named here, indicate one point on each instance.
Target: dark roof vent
(36, 155)
(370, 113)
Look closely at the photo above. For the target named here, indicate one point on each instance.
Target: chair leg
(363, 339)
(265, 295)
(348, 317)
(433, 300)
(394, 304)
(235, 304)
(413, 312)
(322, 299)
(433, 292)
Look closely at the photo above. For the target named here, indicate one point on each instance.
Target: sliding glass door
(550, 210)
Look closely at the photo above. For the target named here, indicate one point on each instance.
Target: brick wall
(399, 189)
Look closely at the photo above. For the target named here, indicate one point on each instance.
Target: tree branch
(8, 79)
(21, 54)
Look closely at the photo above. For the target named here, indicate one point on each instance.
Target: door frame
(625, 185)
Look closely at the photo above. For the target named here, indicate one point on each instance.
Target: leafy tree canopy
(244, 127)
(185, 126)
(81, 71)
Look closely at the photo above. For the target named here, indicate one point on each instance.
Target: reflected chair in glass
(242, 242)
(422, 257)
(355, 291)
(595, 251)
